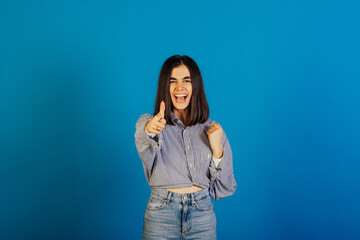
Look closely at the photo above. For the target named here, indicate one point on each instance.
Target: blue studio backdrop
(281, 77)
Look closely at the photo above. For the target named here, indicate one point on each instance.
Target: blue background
(281, 77)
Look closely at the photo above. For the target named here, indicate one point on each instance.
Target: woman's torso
(182, 164)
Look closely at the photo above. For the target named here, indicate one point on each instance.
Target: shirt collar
(178, 122)
(175, 119)
(173, 116)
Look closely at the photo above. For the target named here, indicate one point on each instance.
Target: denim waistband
(180, 197)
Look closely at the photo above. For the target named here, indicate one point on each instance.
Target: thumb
(162, 109)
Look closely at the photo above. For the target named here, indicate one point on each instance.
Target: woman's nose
(178, 87)
(179, 84)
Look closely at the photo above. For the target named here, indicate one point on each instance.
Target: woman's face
(180, 87)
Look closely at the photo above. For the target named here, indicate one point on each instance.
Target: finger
(216, 125)
(156, 124)
(163, 121)
(160, 114)
(156, 130)
(159, 124)
(162, 109)
(153, 130)
(157, 117)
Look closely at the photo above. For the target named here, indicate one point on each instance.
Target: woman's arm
(146, 146)
(222, 177)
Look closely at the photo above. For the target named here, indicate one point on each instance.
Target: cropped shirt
(181, 156)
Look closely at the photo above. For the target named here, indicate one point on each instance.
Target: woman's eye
(183, 81)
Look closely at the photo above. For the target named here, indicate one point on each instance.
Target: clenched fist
(157, 123)
(214, 134)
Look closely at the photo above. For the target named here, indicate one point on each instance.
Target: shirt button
(188, 146)
(190, 165)
(208, 155)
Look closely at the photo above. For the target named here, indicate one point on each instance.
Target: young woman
(186, 156)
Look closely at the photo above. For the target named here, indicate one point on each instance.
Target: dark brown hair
(198, 111)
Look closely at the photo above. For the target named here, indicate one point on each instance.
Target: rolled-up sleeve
(145, 145)
(222, 181)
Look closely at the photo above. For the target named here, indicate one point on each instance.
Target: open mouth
(180, 98)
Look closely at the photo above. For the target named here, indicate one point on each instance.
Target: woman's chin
(180, 106)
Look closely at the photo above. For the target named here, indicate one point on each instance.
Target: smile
(180, 98)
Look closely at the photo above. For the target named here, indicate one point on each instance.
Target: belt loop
(193, 199)
(168, 197)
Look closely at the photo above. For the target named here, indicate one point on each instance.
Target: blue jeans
(172, 215)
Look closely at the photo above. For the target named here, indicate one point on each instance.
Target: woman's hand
(214, 134)
(157, 123)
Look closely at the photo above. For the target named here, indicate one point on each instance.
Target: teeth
(180, 95)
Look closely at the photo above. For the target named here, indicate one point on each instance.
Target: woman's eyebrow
(187, 77)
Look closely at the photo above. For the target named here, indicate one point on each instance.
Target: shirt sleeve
(222, 181)
(146, 146)
(216, 161)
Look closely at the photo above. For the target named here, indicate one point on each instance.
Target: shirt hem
(179, 185)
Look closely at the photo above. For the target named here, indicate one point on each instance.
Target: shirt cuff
(150, 134)
(216, 161)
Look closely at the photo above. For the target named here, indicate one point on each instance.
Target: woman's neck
(181, 114)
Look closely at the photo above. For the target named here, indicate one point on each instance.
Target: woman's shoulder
(144, 118)
(210, 121)
(206, 124)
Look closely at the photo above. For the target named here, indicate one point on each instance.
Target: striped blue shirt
(181, 156)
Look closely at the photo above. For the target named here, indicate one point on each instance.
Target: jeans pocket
(156, 203)
(204, 204)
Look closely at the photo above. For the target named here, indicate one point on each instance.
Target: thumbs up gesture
(157, 123)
